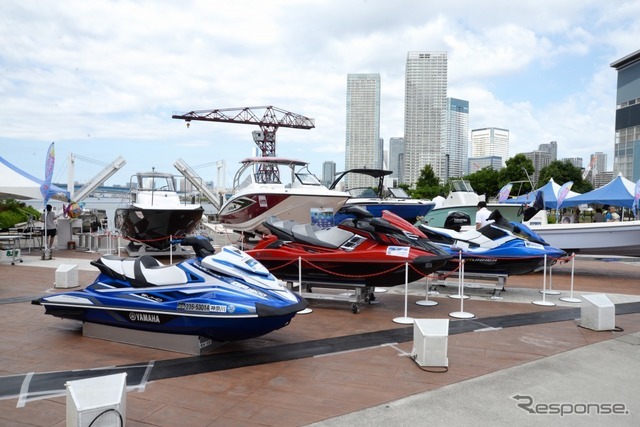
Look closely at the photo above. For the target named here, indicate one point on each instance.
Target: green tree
(428, 185)
(562, 172)
(13, 212)
(485, 181)
(518, 169)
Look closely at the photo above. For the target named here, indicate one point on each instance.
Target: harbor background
(108, 204)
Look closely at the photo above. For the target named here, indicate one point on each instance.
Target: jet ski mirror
(495, 215)
(200, 244)
(358, 211)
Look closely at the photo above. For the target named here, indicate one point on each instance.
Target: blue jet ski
(226, 296)
(501, 247)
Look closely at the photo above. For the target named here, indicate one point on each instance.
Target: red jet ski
(363, 251)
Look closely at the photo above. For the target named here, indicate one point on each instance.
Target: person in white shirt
(49, 219)
(482, 216)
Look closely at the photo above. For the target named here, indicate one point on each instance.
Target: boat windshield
(461, 185)
(398, 193)
(307, 178)
(365, 192)
(156, 183)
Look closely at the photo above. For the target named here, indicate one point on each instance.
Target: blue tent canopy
(618, 192)
(550, 193)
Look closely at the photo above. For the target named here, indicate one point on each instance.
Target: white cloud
(102, 78)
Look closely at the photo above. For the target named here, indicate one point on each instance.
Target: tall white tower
(490, 142)
(425, 114)
(363, 127)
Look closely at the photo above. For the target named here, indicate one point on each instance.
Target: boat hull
(406, 210)
(247, 212)
(437, 216)
(156, 227)
(600, 238)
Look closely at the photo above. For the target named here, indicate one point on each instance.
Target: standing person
(49, 219)
(612, 215)
(576, 215)
(482, 216)
(599, 216)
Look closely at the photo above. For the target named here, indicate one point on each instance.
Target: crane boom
(269, 118)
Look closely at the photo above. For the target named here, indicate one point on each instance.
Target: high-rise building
(396, 149)
(328, 173)
(540, 159)
(425, 114)
(477, 163)
(626, 154)
(456, 154)
(379, 155)
(363, 148)
(597, 166)
(552, 149)
(490, 142)
(575, 161)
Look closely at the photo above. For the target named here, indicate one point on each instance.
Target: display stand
(550, 291)
(460, 294)
(461, 314)
(305, 310)
(544, 302)
(405, 320)
(188, 344)
(426, 302)
(570, 298)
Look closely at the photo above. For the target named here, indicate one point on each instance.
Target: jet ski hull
(366, 267)
(215, 297)
(217, 327)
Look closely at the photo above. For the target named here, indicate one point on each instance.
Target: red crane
(269, 119)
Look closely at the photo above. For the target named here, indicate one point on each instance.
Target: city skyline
(91, 78)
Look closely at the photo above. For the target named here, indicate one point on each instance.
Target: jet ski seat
(279, 228)
(332, 238)
(142, 271)
(148, 271)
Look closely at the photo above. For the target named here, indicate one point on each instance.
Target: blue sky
(102, 78)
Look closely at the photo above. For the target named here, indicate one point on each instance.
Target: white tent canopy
(18, 184)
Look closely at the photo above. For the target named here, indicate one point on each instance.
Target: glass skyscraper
(457, 138)
(626, 155)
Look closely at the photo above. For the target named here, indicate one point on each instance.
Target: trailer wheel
(354, 308)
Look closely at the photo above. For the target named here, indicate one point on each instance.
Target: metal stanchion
(550, 291)
(406, 320)
(570, 298)
(460, 293)
(305, 310)
(461, 314)
(426, 301)
(544, 302)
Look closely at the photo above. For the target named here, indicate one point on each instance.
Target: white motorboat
(621, 238)
(462, 198)
(262, 188)
(155, 213)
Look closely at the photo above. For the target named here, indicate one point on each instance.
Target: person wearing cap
(482, 216)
